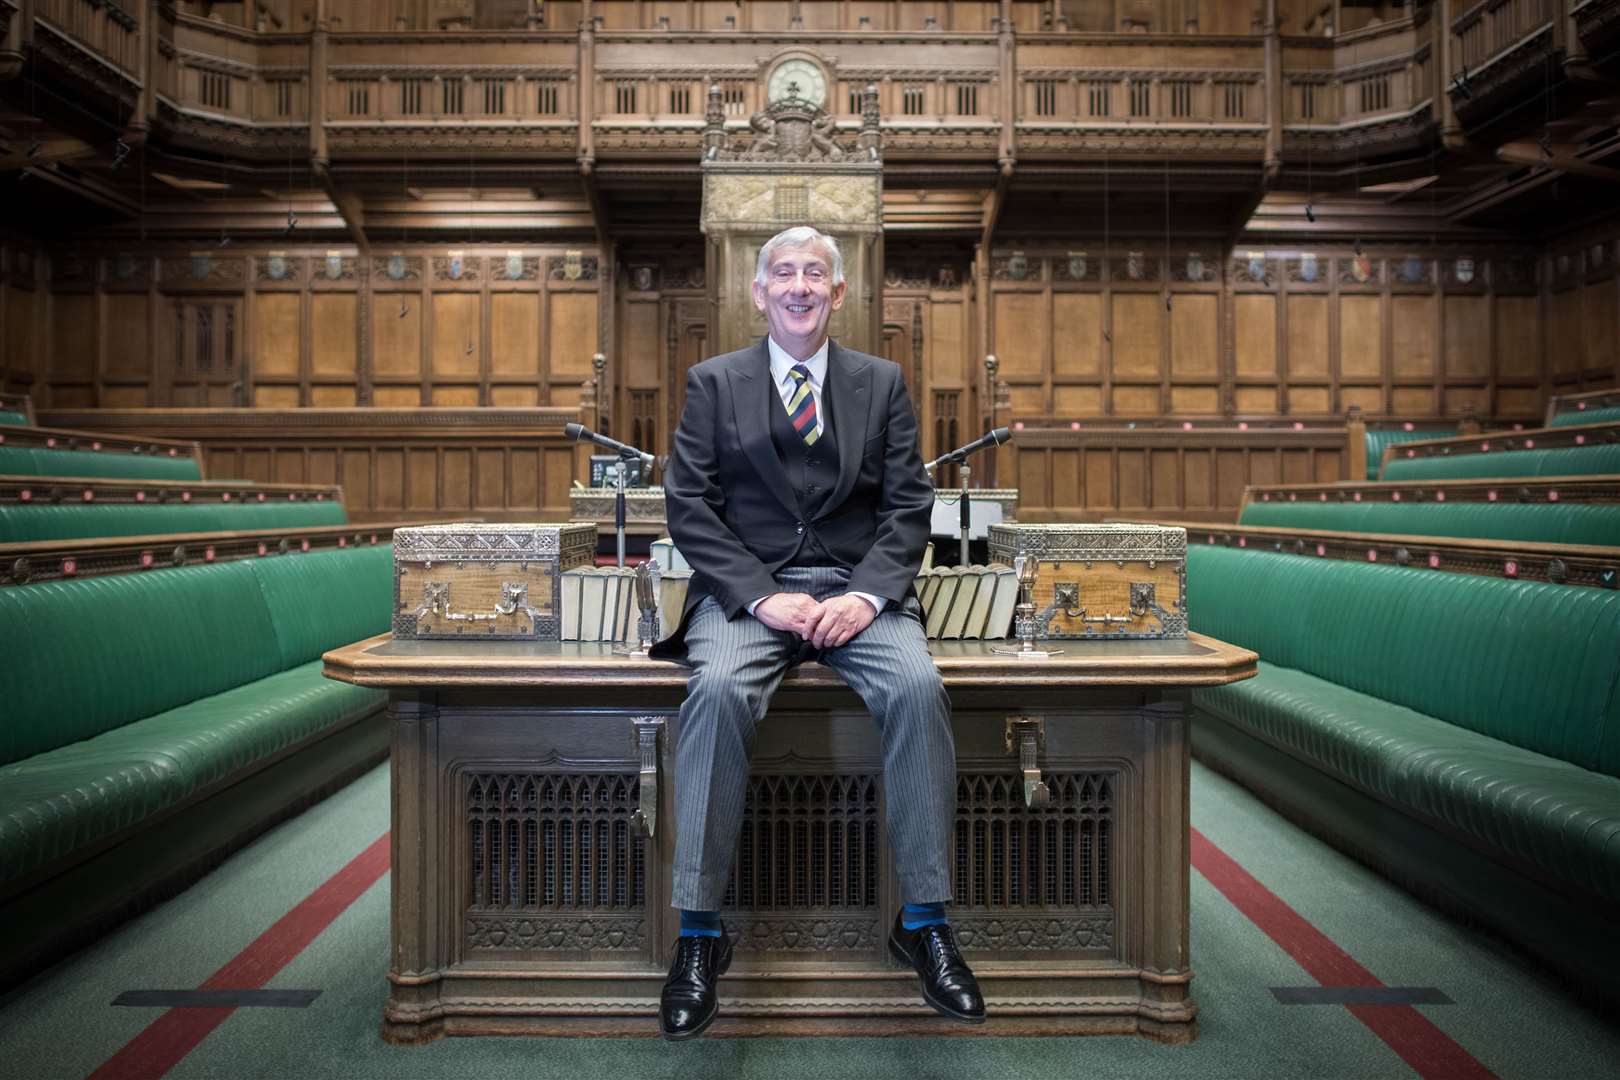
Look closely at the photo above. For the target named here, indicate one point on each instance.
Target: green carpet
(1507, 1014)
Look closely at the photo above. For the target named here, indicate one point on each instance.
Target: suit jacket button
(798, 526)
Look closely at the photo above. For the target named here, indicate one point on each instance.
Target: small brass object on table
(1026, 623)
(647, 607)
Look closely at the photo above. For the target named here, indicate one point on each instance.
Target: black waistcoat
(812, 473)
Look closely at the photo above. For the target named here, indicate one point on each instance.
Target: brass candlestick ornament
(647, 604)
(1025, 622)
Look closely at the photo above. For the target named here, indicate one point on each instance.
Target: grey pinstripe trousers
(737, 665)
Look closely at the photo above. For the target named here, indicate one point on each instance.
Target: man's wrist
(752, 604)
(878, 603)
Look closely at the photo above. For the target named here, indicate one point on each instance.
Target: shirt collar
(781, 362)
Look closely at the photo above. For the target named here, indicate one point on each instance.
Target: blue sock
(913, 916)
(700, 923)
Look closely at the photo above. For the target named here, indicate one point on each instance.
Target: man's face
(799, 298)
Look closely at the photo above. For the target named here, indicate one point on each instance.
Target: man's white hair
(797, 237)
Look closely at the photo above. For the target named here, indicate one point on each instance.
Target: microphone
(990, 438)
(581, 433)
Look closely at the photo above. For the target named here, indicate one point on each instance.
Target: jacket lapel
(849, 388)
(752, 396)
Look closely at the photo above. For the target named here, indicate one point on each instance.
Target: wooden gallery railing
(494, 464)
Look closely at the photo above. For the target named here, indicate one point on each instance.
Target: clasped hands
(826, 624)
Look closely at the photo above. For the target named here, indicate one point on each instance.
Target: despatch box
(1102, 581)
(496, 582)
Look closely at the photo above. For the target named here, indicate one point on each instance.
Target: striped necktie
(801, 406)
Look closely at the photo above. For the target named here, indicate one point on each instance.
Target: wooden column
(1274, 88)
(1006, 152)
(587, 87)
(317, 84)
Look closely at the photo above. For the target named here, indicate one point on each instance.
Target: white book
(980, 612)
(668, 555)
(593, 596)
(999, 622)
(950, 577)
(570, 605)
(629, 610)
(610, 603)
(967, 590)
(672, 588)
(929, 590)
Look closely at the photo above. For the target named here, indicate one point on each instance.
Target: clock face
(797, 78)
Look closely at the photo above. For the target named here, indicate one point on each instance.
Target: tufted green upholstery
(1607, 415)
(1377, 440)
(1555, 815)
(103, 652)
(63, 800)
(1558, 461)
(1489, 705)
(1550, 523)
(144, 689)
(75, 520)
(9, 416)
(316, 604)
(38, 461)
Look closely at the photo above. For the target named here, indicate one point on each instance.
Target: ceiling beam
(348, 205)
(993, 204)
(599, 214)
(1560, 157)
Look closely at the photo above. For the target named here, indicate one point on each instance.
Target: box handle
(514, 597)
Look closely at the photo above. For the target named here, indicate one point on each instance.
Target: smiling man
(797, 494)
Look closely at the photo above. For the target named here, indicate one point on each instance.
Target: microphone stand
(967, 514)
(621, 471)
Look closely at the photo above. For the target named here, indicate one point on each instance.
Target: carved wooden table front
(529, 897)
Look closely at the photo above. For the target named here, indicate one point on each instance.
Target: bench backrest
(1553, 461)
(89, 655)
(1606, 415)
(1551, 523)
(1532, 664)
(14, 418)
(42, 461)
(1379, 438)
(20, 523)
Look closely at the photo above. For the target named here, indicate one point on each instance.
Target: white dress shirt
(786, 386)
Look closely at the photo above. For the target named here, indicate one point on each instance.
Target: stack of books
(599, 603)
(968, 602)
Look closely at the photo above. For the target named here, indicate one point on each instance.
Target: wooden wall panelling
(1091, 473)
(511, 465)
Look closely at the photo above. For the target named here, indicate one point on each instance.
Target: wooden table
(528, 897)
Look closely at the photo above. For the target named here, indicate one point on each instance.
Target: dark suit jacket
(731, 508)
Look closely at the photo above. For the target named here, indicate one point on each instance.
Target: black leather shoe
(688, 1004)
(947, 982)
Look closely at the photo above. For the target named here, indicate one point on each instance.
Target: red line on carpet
(177, 1032)
(1422, 1045)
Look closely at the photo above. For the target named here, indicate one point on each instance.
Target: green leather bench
(154, 721)
(1549, 523)
(1606, 415)
(20, 523)
(1460, 733)
(1553, 461)
(55, 461)
(1382, 437)
(13, 418)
